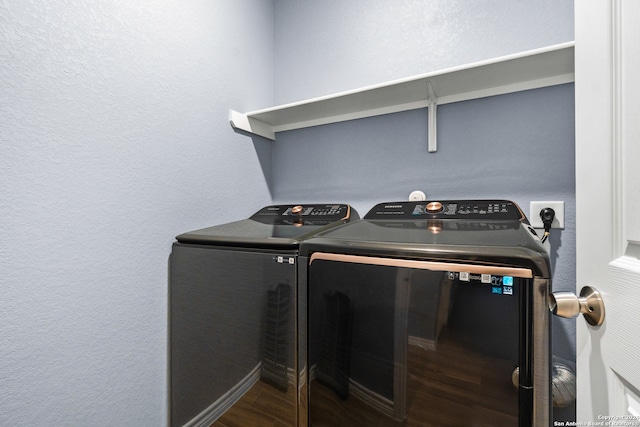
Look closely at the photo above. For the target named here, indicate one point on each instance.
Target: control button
(297, 210)
(434, 207)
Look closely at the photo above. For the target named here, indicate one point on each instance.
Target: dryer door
(404, 342)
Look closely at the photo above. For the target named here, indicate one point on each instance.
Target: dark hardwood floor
(262, 406)
(447, 388)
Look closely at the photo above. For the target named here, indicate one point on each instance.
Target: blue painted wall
(327, 46)
(113, 139)
(517, 146)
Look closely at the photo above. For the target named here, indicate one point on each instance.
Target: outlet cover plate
(536, 207)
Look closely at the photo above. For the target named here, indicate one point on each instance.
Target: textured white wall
(113, 139)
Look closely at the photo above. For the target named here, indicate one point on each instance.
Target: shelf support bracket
(432, 107)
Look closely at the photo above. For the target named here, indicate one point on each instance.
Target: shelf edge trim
(249, 124)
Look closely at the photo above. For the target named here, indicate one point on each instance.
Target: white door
(608, 207)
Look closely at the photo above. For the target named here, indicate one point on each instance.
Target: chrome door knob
(589, 303)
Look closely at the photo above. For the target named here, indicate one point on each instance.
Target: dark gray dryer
(233, 296)
(428, 314)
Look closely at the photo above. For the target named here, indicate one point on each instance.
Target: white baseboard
(423, 343)
(371, 398)
(230, 398)
(367, 396)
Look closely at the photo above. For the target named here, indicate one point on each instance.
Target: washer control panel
(448, 209)
(329, 212)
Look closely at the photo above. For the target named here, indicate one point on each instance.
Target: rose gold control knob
(434, 207)
(297, 210)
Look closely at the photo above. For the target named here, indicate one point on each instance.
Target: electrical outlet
(536, 207)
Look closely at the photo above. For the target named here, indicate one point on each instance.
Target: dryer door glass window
(393, 345)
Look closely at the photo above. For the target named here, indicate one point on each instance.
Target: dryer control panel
(502, 210)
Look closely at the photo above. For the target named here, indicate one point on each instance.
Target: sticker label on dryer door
(500, 285)
(284, 259)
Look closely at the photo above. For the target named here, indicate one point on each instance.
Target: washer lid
(277, 226)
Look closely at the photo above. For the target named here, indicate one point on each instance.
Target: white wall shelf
(533, 69)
